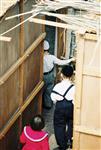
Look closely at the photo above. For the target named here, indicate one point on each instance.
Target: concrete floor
(48, 115)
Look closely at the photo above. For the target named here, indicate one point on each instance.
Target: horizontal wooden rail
(92, 71)
(56, 24)
(87, 130)
(89, 36)
(20, 110)
(15, 66)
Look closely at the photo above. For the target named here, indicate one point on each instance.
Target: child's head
(67, 71)
(37, 123)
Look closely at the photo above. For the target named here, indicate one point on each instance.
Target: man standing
(48, 69)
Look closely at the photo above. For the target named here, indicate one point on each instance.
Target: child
(33, 137)
(63, 96)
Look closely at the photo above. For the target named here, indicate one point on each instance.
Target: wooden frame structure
(27, 84)
(21, 76)
(87, 114)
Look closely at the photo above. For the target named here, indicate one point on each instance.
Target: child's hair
(37, 123)
(67, 70)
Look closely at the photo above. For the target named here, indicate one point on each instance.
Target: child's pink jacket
(34, 140)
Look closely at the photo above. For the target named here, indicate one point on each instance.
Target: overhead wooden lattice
(89, 21)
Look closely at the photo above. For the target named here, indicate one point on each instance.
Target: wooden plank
(88, 36)
(21, 109)
(79, 70)
(40, 102)
(18, 15)
(55, 24)
(42, 53)
(90, 142)
(5, 38)
(21, 51)
(21, 68)
(19, 24)
(15, 66)
(86, 130)
(92, 71)
(87, 133)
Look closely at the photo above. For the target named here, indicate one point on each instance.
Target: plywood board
(87, 113)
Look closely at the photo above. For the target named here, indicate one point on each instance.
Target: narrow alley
(48, 116)
(29, 68)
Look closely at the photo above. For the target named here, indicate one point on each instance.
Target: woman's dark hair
(37, 123)
(67, 71)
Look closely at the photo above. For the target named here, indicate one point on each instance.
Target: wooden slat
(5, 38)
(92, 71)
(15, 66)
(21, 68)
(9, 30)
(88, 36)
(86, 130)
(55, 24)
(18, 15)
(79, 70)
(20, 110)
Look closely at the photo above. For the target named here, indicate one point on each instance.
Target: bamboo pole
(20, 110)
(15, 66)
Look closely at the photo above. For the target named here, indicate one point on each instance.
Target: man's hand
(73, 59)
(63, 58)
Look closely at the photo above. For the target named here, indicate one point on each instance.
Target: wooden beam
(88, 36)
(15, 66)
(78, 81)
(21, 50)
(21, 68)
(55, 24)
(19, 24)
(20, 110)
(5, 38)
(18, 15)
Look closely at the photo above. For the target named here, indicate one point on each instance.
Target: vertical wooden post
(21, 69)
(41, 70)
(79, 64)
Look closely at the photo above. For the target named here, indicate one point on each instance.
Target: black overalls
(63, 116)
